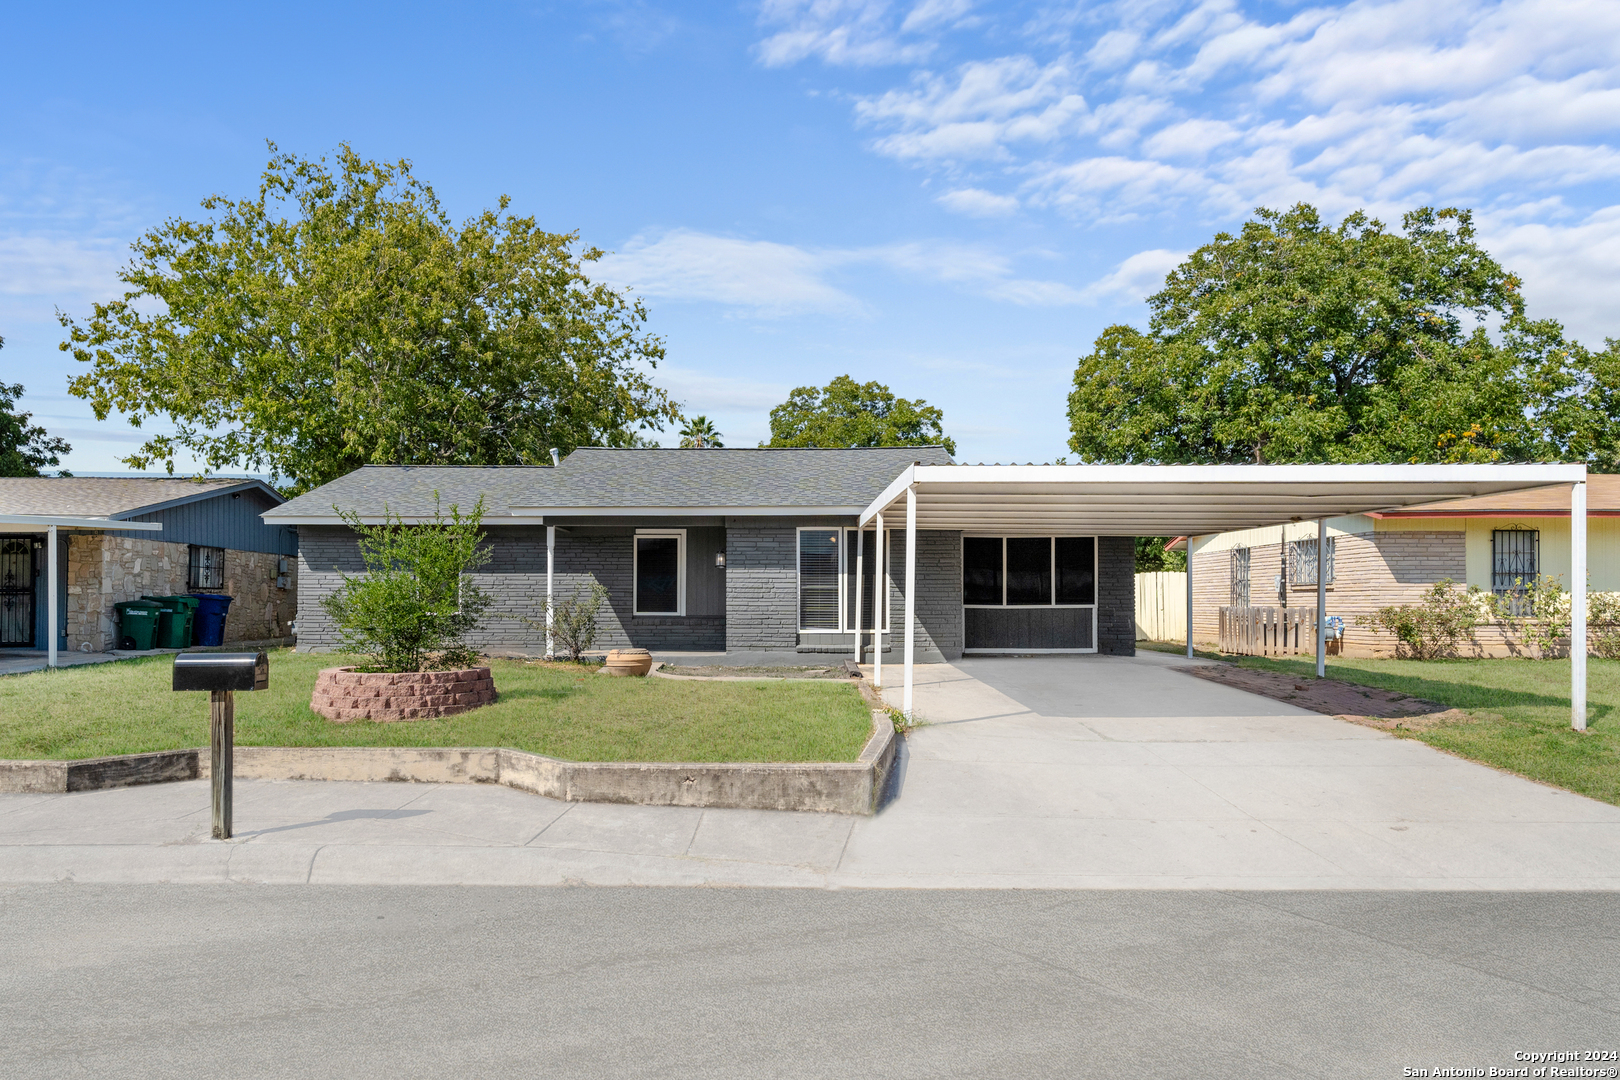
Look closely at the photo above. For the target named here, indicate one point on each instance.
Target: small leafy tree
(415, 604)
(848, 413)
(1443, 619)
(573, 621)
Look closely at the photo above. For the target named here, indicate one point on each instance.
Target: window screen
(658, 575)
(207, 569)
(981, 570)
(1029, 570)
(818, 579)
(1076, 570)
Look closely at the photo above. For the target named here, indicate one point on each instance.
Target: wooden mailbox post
(221, 674)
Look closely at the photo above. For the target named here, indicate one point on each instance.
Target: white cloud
(1569, 270)
(704, 392)
(977, 202)
(769, 278)
(1137, 277)
(855, 33)
(1157, 107)
(978, 111)
(58, 266)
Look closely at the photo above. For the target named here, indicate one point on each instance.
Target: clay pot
(627, 662)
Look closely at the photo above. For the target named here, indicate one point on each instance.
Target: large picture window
(1029, 571)
(660, 571)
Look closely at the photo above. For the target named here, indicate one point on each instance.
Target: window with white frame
(1029, 571)
(827, 565)
(660, 572)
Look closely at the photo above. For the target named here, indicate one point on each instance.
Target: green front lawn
(559, 710)
(1518, 712)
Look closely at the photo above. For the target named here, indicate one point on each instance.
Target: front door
(17, 593)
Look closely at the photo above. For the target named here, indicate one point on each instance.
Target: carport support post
(911, 593)
(551, 566)
(50, 599)
(880, 595)
(1321, 598)
(1189, 599)
(1577, 606)
(221, 737)
(860, 558)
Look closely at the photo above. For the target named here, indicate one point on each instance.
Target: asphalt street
(397, 981)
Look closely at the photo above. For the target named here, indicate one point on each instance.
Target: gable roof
(1602, 500)
(596, 481)
(113, 497)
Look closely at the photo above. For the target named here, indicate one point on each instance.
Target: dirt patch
(1388, 710)
(717, 671)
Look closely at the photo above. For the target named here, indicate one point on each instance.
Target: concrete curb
(829, 787)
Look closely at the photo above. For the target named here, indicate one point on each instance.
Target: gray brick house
(750, 551)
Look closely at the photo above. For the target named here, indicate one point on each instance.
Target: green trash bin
(176, 622)
(137, 623)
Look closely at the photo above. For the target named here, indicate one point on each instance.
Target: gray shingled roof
(99, 496)
(624, 479)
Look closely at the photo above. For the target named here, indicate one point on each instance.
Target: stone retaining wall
(344, 694)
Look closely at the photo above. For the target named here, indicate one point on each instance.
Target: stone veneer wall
(1371, 570)
(515, 577)
(104, 570)
(1116, 595)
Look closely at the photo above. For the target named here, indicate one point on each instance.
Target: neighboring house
(1494, 542)
(742, 551)
(119, 538)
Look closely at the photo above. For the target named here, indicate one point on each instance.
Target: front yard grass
(559, 710)
(1518, 712)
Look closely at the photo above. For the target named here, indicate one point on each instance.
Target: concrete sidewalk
(1057, 772)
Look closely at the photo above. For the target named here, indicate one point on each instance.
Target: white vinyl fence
(1161, 607)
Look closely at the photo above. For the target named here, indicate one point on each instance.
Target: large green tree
(340, 318)
(848, 413)
(1297, 341)
(25, 448)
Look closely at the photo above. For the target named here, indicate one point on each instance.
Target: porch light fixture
(720, 559)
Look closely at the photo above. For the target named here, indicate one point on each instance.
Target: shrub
(1437, 624)
(415, 604)
(573, 621)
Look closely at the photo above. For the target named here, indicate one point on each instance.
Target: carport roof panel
(1159, 500)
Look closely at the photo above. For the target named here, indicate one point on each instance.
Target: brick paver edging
(840, 787)
(342, 693)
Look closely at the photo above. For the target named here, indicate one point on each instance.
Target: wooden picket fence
(1268, 631)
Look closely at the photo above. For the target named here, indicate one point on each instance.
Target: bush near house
(1537, 614)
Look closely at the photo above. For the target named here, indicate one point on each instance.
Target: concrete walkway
(1059, 772)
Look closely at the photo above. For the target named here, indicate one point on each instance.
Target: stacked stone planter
(346, 694)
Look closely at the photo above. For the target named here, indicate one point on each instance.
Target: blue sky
(951, 197)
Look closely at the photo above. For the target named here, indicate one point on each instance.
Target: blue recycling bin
(211, 611)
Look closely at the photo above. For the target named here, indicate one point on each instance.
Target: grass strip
(560, 710)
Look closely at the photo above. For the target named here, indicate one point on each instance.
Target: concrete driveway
(1095, 771)
(1055, 771)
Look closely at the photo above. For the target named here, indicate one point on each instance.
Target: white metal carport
(1195, 500)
